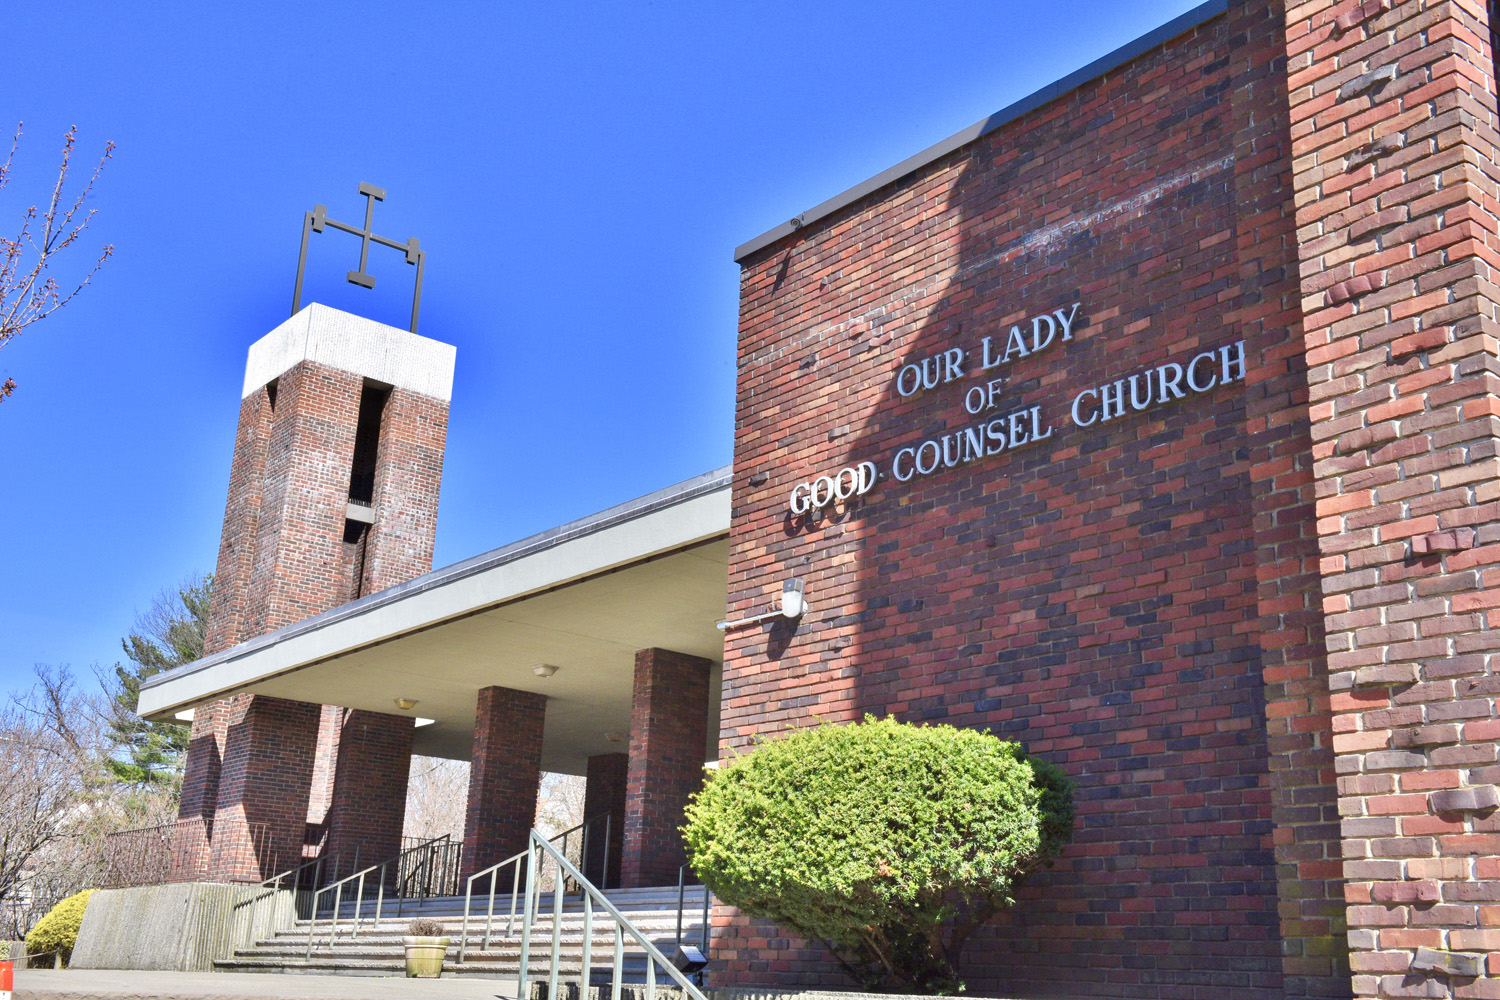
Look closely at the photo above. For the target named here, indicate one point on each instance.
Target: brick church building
(1153, 422)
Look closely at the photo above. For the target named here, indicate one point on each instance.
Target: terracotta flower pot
(424, 956)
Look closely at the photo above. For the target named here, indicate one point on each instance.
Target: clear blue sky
(578, 173)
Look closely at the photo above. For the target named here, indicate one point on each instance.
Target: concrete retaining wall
(182, 926)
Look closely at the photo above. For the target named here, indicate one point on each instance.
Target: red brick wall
(299, 539)
(283, 558)
(1394, 127)
(505, 774)
(408, 474)
(668, 731)
(604, 795)
(241, 517)
(269, 745)
(1135, 601)
(368, 804)
(200, 786)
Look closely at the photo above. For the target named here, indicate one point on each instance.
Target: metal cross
(317, 219)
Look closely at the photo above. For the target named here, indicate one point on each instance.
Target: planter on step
(424, 956)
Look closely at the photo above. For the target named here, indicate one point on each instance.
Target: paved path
(98, 984)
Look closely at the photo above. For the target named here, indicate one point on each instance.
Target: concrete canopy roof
(583, 596)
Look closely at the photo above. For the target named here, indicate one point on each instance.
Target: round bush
(58, 930)
(889, 842)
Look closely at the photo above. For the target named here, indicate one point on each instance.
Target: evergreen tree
(150, 754)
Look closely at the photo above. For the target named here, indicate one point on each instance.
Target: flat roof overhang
(583, 597)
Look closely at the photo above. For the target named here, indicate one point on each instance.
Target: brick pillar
(604, 795)
(1393, 126)
(330, 722)
(264, 779)
(668, 733)
(304, 449)
(505, 774)
(1293, 659)
(200, 791)
(408, 476)
(368, 805)
(200, 774)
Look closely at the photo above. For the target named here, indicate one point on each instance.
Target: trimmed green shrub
(888, 842)
(58, 930)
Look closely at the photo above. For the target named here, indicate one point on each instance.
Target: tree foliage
(170, 634)
(887, 841)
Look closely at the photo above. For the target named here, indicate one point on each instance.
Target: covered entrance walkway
(589, 649)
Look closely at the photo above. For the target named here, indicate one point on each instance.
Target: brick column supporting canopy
(368, 804)
(604, 795)
(264, 779)
(1394, 158)
(504, 775)
(668, 732)
(200, 791)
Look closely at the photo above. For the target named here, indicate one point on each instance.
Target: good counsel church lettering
(1094, 406)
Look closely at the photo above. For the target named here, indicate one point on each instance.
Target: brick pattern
(505, 774)
(1136, 601)
(325, 763)
(1394, 130)
(604, 795)
(200, 786)
(668, 733)
(408, 475)
(269, 745)
(300, 532)
(241, 520)
(368, 804)
(283, 558)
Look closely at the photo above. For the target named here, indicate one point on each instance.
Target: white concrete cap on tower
(352, 343)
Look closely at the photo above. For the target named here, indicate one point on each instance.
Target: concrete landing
(109, 984)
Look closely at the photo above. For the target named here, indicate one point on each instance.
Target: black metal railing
(682, 874)
(171, 852)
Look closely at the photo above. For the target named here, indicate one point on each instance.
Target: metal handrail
(493, 871)
(295, 874)
(583, 849)
(337, 888)
(591, 897)
(707, 900)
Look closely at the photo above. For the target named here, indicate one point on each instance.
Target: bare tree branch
(29, 293)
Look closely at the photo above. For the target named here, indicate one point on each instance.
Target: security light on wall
(793, 606)
(793, 598)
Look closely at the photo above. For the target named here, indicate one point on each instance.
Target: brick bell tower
(333, 494)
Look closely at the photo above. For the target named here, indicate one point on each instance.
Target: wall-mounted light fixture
(406, 704)
(544, 669)
(793, 606)
(615, 737)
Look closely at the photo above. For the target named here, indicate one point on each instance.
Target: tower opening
(372, 402)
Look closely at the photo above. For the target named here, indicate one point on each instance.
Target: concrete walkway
(104, 984)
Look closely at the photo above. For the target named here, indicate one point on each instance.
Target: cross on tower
(317, 219)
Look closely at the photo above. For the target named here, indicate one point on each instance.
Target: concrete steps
(378, 951)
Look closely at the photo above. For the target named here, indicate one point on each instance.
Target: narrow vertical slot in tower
(360, 513)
